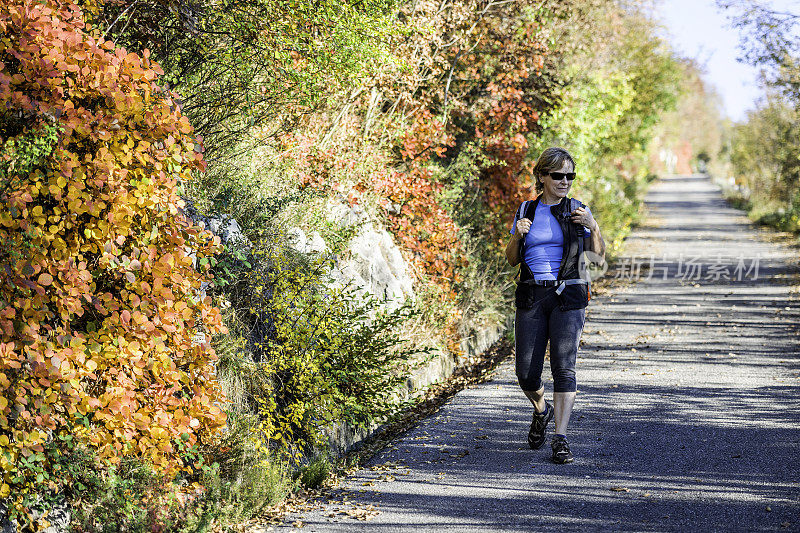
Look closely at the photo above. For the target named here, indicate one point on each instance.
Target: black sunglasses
(558, 176)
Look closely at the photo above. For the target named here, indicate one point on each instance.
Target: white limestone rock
(297, 239)
(373, 261)
(227, 228)
(378, 261)
(344, 215)
(315, 243)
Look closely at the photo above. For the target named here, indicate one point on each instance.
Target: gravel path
(688, 409)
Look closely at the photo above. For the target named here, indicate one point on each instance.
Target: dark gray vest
(573, 296)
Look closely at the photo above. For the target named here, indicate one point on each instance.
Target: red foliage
(503, 131)
(422, 226)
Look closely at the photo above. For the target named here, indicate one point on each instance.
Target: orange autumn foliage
(422, 226)
(100, 302)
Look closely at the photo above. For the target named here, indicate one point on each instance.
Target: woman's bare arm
(512, 249)
(595, 242)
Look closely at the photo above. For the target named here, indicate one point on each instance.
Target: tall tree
(770, 39)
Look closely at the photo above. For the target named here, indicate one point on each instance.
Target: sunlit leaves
(99, 301)
(243, 64)
(326, 355)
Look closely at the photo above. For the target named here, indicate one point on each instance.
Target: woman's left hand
(583, 217)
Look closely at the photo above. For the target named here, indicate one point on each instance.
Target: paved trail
(687, 415)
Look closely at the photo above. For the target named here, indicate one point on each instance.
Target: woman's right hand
(523, 226)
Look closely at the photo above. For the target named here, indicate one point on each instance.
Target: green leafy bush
(765, 159)
(314, 473)
(242, 478)
(310, 354)
(232, 481)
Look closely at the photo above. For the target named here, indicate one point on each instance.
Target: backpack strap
(574, 204)
(523, 210)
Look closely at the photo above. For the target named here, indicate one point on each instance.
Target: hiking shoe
(536, 435)
(561, 453)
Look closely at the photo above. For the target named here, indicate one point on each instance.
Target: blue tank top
(544, 243)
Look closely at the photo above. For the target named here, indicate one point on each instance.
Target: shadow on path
(687, 416)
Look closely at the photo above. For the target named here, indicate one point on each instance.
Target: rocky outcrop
(58, 516)
(378, 265)
(311, 244)
(224, 226)
(372, 263)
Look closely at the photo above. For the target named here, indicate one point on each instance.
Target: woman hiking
(548, 237)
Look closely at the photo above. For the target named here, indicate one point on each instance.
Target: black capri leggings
(533, 327)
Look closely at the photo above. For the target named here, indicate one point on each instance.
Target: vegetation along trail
(688, 409)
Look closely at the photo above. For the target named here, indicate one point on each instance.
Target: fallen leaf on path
(366, 513)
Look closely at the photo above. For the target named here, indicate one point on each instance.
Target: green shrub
(307, 354)
(765, 159)
(232, 482)
(243, 478)
(130, 496)
(314, 473)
